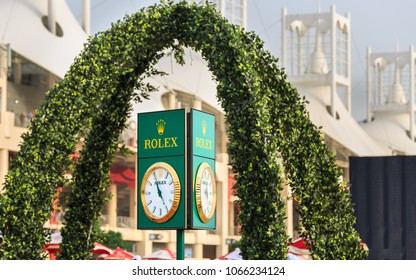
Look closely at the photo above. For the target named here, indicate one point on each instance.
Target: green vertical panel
(202, 145)
(162, 139)
(196, 221)
(203, 134)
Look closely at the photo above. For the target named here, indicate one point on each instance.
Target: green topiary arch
(266, 118)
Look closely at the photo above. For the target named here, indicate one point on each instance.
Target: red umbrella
(233, 255)
(52, 248)
(98, 248)
(298, 246)
(101, 249)
(119, 254)
(102, 257)
(164, 254)
(56, 239)
(299, 250)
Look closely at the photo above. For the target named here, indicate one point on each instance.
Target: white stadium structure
(40, 39)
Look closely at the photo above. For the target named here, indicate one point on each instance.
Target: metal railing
(120, 221)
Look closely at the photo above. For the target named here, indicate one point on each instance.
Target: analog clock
(205, 192)
(160, 192)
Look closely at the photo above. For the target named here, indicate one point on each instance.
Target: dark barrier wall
(384, 193)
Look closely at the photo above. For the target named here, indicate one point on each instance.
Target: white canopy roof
(21, 26)
(345, 129)
(390, 129)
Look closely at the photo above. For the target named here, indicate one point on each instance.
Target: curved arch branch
(266, 119)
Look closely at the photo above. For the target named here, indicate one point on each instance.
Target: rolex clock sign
(202, 189)
(161, 148)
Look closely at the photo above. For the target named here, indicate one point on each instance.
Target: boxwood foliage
(267, 122)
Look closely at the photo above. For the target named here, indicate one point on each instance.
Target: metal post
(180, 244)
(333, 60)
(369, 89)
(412, 93)
(283, 34)
(349, 64)
(51, 17)
(86, 14)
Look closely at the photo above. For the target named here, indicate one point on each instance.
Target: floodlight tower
(316, 53)
(391, 88)
(316, 56)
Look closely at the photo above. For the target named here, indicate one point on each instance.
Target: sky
(382, 25)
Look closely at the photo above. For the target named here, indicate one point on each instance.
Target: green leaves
(267, 125)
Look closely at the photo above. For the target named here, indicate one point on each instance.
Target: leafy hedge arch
(267, 121)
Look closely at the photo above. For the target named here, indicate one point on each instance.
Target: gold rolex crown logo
(204, 127)
(160, 173)
(160, 124)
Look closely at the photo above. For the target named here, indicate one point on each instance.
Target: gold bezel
(176, 195)
(205, 166)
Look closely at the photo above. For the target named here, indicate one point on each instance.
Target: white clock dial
(160, 192)
(205, 192)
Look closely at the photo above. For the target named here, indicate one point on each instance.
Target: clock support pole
(180, 244)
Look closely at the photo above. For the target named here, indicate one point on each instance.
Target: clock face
(160, 192)
(205, 192)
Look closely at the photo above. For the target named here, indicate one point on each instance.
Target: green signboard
(161, 134)
(202, 189)
(203, 134)
(161, 180)
(176, 174)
